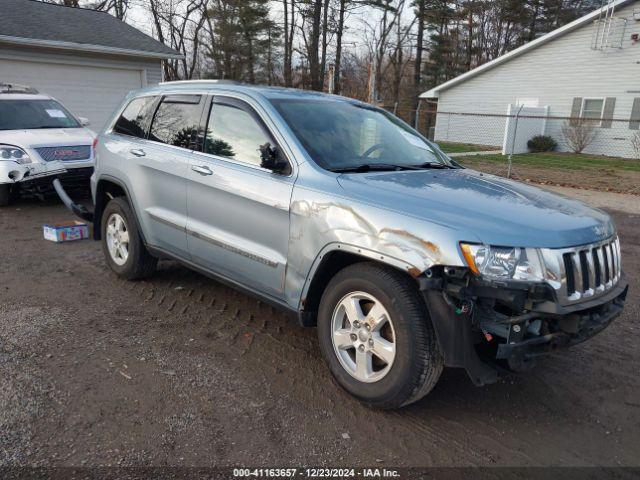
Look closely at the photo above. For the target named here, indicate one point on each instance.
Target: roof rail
(15, 88)
(220, 81)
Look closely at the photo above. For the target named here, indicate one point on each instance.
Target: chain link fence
(527, 143)
(467, 132)
(514, 133)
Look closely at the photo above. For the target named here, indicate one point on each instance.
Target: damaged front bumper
(553, 331)
(13, 172)
(484, 327)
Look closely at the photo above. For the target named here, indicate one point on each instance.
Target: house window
(592, 109)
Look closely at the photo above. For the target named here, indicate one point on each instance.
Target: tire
(416, 364)
(5, 195)
(138, 262)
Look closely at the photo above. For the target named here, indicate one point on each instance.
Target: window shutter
(634, 124)
(607, 113)
(576, 108)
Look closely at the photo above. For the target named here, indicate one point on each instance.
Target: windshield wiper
(434, 165)
(373, 167)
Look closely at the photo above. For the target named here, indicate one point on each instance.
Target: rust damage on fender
(425, 243)
(414, 272)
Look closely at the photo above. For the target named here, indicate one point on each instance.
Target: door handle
(138, 152)
(202, 170)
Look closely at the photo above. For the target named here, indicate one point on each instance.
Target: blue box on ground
(66, 232)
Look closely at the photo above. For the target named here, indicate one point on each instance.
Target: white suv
(40, 139)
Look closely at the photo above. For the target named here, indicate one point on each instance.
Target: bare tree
(635, 143)
(389, 18)
(578, 134)
(420, 13)
(289, 32)
(179, 24)
(342, 10)
(313, 45)
(401, 56)
(117, 7)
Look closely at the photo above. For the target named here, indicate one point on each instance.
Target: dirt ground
(605, 179)
(182, 371)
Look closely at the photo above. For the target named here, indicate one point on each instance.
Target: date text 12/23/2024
(315, 473)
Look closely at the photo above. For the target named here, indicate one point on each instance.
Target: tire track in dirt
(271, 369)
(262, 328)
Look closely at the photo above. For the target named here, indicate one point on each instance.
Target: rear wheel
(122, 244)
(5, 194)
(376, 336)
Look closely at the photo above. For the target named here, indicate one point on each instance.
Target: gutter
(86, 47)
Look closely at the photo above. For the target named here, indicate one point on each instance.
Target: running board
(77, 209)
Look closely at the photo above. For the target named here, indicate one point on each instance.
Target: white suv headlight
(504, 263)
(13, 154)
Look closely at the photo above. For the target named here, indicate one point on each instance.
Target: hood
(484, 208)
(44, 137)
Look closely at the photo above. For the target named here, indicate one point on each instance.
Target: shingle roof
(36, 23)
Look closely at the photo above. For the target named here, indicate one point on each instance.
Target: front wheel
(122, 244)
(376, 336)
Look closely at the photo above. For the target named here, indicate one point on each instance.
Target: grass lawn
(565, 169)
(559, 161)
(450, 147)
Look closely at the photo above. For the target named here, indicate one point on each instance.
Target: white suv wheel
(117, 239)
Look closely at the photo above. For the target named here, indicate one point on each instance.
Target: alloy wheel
(363, 337)
(117, 239)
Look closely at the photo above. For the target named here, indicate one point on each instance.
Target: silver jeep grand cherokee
(341, 213)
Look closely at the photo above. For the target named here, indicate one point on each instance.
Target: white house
(589, 68)
(86, 59)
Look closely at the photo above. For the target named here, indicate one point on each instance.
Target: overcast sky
(354, 37)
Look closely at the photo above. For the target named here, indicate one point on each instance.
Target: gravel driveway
(180, 370)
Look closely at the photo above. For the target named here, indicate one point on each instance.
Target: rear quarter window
(134, 120)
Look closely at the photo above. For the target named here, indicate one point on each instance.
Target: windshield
(32, 114)
(341, 136)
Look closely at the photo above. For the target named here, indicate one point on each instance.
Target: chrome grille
(65, 154)
(584, 272)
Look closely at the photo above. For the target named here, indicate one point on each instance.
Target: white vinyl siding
(554, 73)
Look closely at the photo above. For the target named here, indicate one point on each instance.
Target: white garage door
(92, 92)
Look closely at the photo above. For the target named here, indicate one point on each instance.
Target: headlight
(504, 263)
(14, 154)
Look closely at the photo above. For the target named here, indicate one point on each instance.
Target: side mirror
(271, 159)
(84, 121)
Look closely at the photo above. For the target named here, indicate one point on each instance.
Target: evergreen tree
(246, 40)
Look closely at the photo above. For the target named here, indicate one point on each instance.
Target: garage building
(88, 60)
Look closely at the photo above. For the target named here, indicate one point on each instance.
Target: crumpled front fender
(321, 223)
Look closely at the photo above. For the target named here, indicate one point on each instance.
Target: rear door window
(177, 120)
(135, 118)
